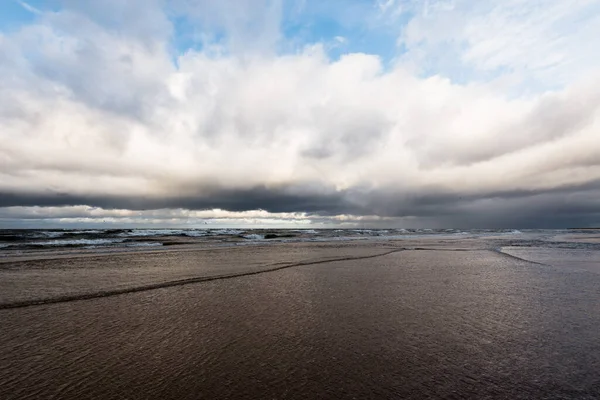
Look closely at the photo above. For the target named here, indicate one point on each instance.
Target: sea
(17, 241)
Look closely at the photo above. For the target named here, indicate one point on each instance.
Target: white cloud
(29, 7)
(543, 42)
(213, 218)
(246, 26)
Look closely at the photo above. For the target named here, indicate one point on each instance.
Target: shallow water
(426, 323)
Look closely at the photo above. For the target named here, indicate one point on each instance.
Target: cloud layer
(100, 108)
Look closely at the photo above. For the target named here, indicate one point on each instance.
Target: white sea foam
(254, 236)
(48, 234)
(153, 232)
(77, 242)
(196, 233)
(311, 231)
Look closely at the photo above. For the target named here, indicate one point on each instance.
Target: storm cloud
(100, 114)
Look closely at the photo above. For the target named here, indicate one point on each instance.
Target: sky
(300, 113)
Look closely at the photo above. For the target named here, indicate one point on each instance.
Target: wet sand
(345, 320)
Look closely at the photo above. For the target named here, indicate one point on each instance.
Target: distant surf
(18, 241)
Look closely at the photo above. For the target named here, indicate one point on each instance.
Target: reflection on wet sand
(389, 319)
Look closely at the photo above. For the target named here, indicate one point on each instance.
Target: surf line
(499, 251)
(180, 282)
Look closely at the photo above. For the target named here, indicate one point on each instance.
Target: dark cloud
(272, 200)
(566, 207)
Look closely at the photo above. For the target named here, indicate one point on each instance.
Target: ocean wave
(35, 239)
(225, 231)
(48, 234)
(254, 236)
(152, 232)
(180, 232)
(195, 233)
(77, 242)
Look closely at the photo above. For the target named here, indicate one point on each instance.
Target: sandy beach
(378, 319)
